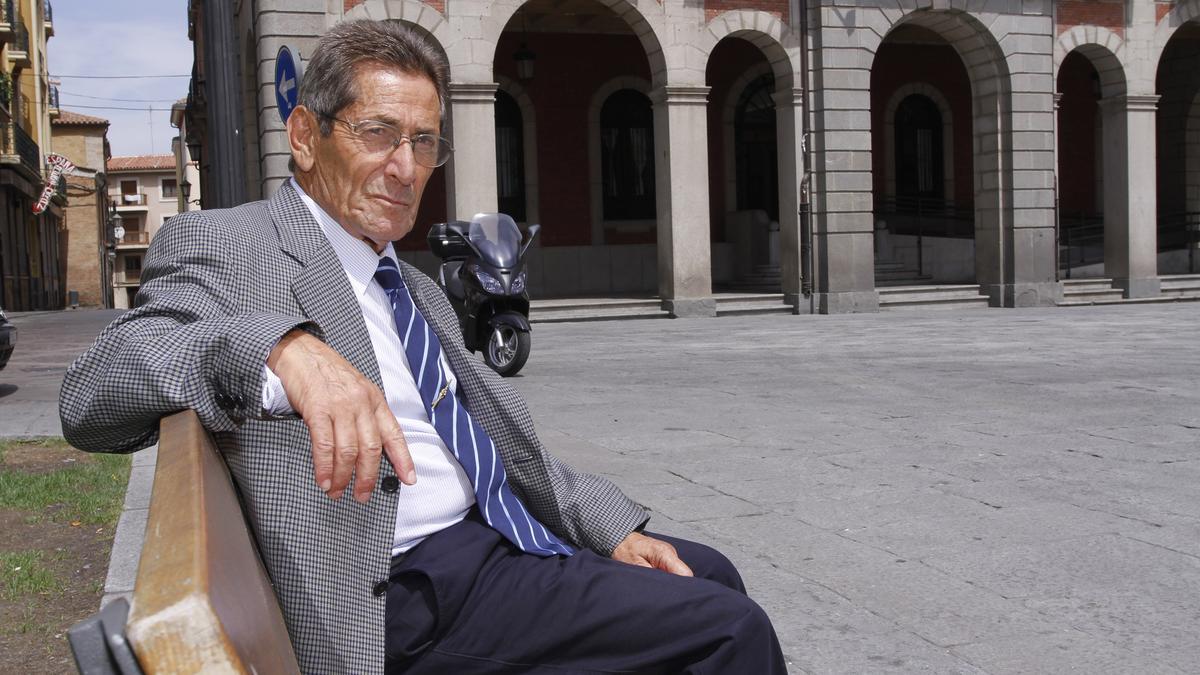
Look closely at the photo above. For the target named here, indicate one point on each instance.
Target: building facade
(32, 264)
(144, 191)
(90, 248)
(820, 148)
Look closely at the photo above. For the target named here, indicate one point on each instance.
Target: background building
(144, 192)
(89, 245)
(32, 264)
(825, 150)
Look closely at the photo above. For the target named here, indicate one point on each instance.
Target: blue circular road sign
(288, 71)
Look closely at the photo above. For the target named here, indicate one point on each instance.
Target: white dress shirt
(443, 494)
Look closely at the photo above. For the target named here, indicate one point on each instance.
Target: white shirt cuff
(274, 399)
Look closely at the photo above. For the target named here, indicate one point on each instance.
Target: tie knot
(388, 275)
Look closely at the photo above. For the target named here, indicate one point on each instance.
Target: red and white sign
(58, 166)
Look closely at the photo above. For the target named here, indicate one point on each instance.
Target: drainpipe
(227, 172)
(805, 210)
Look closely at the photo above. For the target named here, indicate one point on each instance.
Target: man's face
(374, 196)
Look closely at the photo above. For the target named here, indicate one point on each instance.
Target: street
(978, 491)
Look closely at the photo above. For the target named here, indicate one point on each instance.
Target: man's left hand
(638, 549)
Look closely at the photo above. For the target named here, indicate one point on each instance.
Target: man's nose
(401, 164)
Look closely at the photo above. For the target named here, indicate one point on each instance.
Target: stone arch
(1180, 15)
(1106, 51)
(991, 93)
(412, 12)
(760, 29)
(595, 170)
(529, 129)
(934, 94)
(501, 14)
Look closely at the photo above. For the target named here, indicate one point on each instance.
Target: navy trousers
(468, 601)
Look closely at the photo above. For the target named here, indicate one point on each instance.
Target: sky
(140, 38)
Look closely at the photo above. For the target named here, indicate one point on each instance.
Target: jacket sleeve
(186, 345)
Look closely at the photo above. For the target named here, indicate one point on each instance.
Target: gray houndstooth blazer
(219, 288)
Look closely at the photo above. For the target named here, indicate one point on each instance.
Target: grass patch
(22, 574)
(87, 491)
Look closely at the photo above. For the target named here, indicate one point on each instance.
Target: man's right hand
(347, 416)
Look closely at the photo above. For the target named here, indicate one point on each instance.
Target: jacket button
(380, 589)
(390, 484)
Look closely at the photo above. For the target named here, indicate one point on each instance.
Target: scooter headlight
(489, 283)
(518, 284)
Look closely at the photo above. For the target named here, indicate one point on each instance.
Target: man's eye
(425, 142)
(375, 133)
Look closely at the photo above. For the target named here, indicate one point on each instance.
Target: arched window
(755, 148)
(918, 148)
(627, 156)
(510, 157)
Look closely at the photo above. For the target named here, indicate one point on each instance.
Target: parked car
(8, 338)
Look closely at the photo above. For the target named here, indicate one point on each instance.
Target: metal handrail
(925, 217)
(47, 11)
(1180, 230)
(1080, 240)
(9, 12)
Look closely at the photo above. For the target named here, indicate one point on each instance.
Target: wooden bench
(202, 601)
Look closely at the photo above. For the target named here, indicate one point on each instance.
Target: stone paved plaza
(987, 491)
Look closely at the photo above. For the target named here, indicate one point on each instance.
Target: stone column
(681, 164)
(789, 139)
(471, 172)
(1130, 194)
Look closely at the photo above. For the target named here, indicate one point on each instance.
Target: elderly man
(311, 354)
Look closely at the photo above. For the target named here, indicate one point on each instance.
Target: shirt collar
(357, 257)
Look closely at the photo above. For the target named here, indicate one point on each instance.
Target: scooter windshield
(496, 238)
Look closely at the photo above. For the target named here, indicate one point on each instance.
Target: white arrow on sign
(286, 86)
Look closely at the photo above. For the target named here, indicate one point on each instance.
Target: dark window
(510, 157)
(168, 188)
(756, 157)
(627, 156)
(919, 169)
(133, 263)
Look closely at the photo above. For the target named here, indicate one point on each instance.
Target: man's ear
(303, 133)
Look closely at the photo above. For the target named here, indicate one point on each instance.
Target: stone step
(943, 303)
(1086, 285)
(594, 309)
(731, 304)
(941, 296)
(1129, 301)
(1092, 295)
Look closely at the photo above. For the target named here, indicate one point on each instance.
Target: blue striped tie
(462, 434)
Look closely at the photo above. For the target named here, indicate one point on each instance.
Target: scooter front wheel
(507, 349)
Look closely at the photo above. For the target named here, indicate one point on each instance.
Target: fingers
(320, 429)
(345, 453)
(392, 440)
(366, 466)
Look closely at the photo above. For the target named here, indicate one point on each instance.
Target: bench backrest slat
(202, 602)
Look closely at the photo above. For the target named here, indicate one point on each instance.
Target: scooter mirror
(531, 232)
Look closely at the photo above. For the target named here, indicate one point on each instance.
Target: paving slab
(1000, 491)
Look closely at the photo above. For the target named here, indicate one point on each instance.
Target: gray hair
(329, 85)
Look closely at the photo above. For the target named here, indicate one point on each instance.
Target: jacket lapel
(321, 288)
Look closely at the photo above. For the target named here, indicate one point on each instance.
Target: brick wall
(1107, 13)
(779, 8)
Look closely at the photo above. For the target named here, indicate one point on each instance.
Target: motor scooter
(483, 274)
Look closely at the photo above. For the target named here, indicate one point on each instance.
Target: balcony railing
(7, 16)
(134, 199)
(47, 11)
(18, 144)
(135, 238)
(18, 51)
(54, 99)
